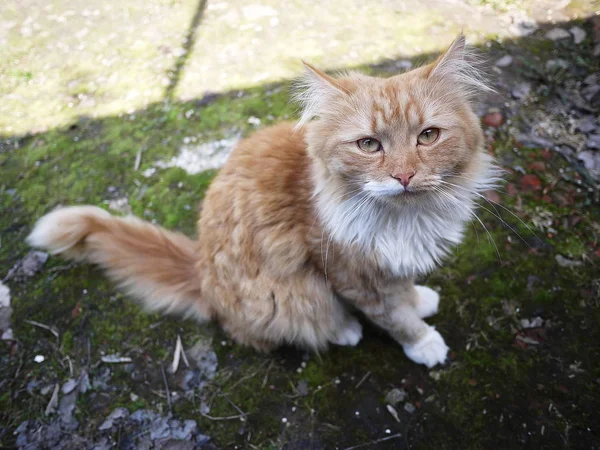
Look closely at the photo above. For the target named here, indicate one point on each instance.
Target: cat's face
(400, 137)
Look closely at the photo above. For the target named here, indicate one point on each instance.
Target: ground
(134, 107)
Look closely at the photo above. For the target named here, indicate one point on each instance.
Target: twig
(162, 368)
(53, 403)
(266, 378)
(61, 268)
(393, 412)
(247, 377)
(41, 325)
(89, 351)
(362, 380)
(235, 406)
(222, 418)
(387, 438)
(183, 355)
(138, 160)
(70, 365)
(177, 355)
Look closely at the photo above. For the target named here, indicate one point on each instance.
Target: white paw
(428, 302)
(349, 334)
(429, 350)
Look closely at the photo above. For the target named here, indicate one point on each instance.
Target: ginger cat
(305, 222)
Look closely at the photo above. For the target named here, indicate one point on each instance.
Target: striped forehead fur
(456, 75)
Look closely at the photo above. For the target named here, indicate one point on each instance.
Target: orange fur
(268, 264)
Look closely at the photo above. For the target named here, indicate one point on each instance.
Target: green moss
(493, 384)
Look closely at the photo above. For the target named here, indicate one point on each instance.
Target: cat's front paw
(427, 304)
(430, 349)
(349, 334)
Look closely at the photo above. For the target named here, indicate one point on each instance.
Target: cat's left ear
(315, 90)
(459, 65)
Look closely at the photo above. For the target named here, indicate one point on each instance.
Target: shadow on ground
(521, 315)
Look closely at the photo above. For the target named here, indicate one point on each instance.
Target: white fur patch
(429, 350)
(410, 238)
(428, 302)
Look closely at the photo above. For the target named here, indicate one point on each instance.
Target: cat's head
(397, 137)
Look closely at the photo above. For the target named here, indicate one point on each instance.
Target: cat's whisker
(497, 216)
(490, 185)
(472, 213)
(494, 204)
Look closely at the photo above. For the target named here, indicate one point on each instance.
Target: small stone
(8, 335)
(409, 408)
(254, 121)
(46, 389)
(505, 61)
(536, 322)
(39, 358)
(590, 92)
(4, 295)
(493, 119)
(565, 262)
(521, 91)
(143, 416)
(203, 357)
(202, 439)
(587, 124)
(557, 33)
(404, 64)
(525, 323)
(554, 64)
(160, 429)
(531, 182)
(591, 161)
(116, 415)
(302, 388)
(66, 407)
(435, 375)
(395, 396)
(183, 431)
(578, 34)
(593, 141)
(69, 386)
(134, 397)
(28, 266)
(284, 420)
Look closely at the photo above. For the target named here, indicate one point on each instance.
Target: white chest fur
(408, 240)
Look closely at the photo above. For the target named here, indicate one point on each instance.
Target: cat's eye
(428, 136)
(369, 145)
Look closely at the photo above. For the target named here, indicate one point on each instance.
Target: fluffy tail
(155, 265)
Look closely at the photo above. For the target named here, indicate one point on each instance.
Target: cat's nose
(404, 178)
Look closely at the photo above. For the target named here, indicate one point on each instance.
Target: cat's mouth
(399, 194)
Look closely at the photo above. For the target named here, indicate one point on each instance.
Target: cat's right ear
(315, 90)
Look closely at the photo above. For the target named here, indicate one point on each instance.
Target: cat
(308, 222)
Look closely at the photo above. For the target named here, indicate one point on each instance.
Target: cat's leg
(427, 301)
(348, 332)
(421, 342)
(399, 316)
